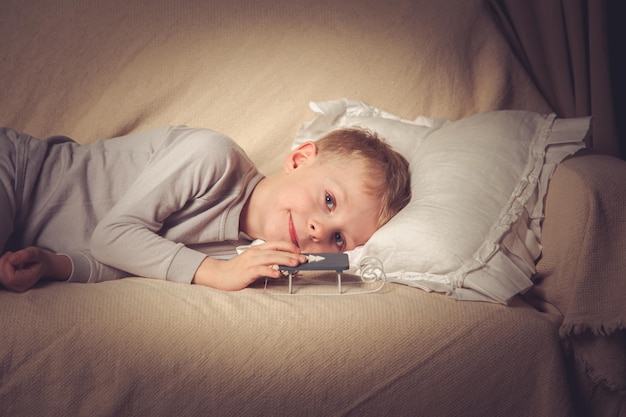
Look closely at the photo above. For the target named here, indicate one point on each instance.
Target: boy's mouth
(292, 232)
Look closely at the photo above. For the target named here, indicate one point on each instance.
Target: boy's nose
(319, 240)
(315, 231)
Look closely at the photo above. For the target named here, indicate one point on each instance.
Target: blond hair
(387, 171)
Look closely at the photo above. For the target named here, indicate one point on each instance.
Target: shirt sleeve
(186, 167)
(85, 268)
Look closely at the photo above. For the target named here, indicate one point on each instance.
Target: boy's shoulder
(200, 135)
(195, 142)
(195, 139)
(168, 137)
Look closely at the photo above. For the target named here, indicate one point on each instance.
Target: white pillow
(472, 228)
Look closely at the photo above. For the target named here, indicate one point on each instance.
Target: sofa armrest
(583, 233)
(582, 269)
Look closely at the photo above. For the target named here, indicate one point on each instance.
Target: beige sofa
(249, 69)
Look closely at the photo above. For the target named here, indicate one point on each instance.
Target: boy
(173, 203)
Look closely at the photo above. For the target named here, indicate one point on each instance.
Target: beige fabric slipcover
(104, 68)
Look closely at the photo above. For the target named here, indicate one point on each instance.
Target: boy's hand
(242, 270)
(21, 270)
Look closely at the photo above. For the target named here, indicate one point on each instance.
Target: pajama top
(151, 204)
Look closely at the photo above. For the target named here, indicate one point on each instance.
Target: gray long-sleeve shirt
(136, 205)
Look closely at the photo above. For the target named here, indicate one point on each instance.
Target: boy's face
(319, 206)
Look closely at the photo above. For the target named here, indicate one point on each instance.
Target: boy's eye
(339, 240)
(330, 201)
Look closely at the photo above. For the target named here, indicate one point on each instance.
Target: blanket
(587, 249)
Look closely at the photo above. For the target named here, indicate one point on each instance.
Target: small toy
(337, 262)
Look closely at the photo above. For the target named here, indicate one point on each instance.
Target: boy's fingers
(265, 258)
(280, 246)
(22, 275)
(24, 256)
(15, 279)
(270, 272)
(279, 257)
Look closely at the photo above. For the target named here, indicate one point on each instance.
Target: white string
(371, 270)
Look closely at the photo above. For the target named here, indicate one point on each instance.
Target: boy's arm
(195, 175)
(85, 268)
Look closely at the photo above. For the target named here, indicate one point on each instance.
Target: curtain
(564, 46)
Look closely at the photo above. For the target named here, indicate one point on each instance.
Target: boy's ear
(305, 153)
